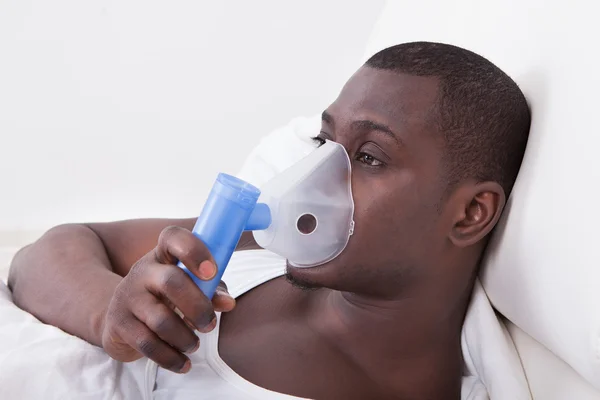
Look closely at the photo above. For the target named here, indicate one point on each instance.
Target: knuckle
(161, 323)
(181, 244)
(117, 316)
(119, 311)
(167, 233)
(172, 280)
(114, 320)
(187, 252)
(191, 249)
(146, 345)
(169, 230)
(137, 270)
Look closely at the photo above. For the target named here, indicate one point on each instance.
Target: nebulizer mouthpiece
(304, 214)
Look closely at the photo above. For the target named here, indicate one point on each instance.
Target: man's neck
(416, 338)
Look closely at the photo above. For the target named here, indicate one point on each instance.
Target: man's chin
(303, 278)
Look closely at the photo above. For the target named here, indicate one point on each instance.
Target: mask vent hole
(306, 224)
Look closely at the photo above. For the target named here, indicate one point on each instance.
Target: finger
(141, 338)
(118, 348)
(207, 328)
(165, 323)
(222, 301)
(179, 244)
(171, 283)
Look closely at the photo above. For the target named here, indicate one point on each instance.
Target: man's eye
(368, 160)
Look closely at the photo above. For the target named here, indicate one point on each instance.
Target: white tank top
(210, 378)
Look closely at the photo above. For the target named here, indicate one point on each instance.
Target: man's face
(385, 120)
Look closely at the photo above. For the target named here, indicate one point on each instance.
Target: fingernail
(205, 320)
(211, 325)
(223, 292)
(195, 348)
(186, 367)
(207, 270)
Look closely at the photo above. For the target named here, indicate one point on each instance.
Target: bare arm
(67, 278)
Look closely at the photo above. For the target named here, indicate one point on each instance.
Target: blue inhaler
(230, 209)
(305, 213)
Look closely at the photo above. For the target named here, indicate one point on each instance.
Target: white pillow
(542, 269)
(280, 149)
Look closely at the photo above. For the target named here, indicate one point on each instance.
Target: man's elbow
(31, 255)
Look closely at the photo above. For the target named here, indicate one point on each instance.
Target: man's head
(436, 135)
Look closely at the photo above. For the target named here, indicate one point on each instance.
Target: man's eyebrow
(368, 125)
(365, 125)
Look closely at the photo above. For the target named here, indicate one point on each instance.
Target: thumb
(222, 301)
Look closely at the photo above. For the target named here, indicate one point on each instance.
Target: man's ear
(478, 208)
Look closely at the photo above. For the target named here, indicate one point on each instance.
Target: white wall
(129, 108)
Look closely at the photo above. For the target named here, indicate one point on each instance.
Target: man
(436, 135)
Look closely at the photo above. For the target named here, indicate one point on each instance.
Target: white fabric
(38, 361)
(549, 377)
(542, 271)
(6, 255)
(210, 378)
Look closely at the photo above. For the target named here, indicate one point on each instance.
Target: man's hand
(142, 317)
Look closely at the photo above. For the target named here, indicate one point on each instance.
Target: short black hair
(481, 111)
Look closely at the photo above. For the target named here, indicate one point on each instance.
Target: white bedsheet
(38, 361)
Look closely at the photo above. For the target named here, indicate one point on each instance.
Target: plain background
(129, 108)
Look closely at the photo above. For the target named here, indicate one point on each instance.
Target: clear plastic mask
(311, 208)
